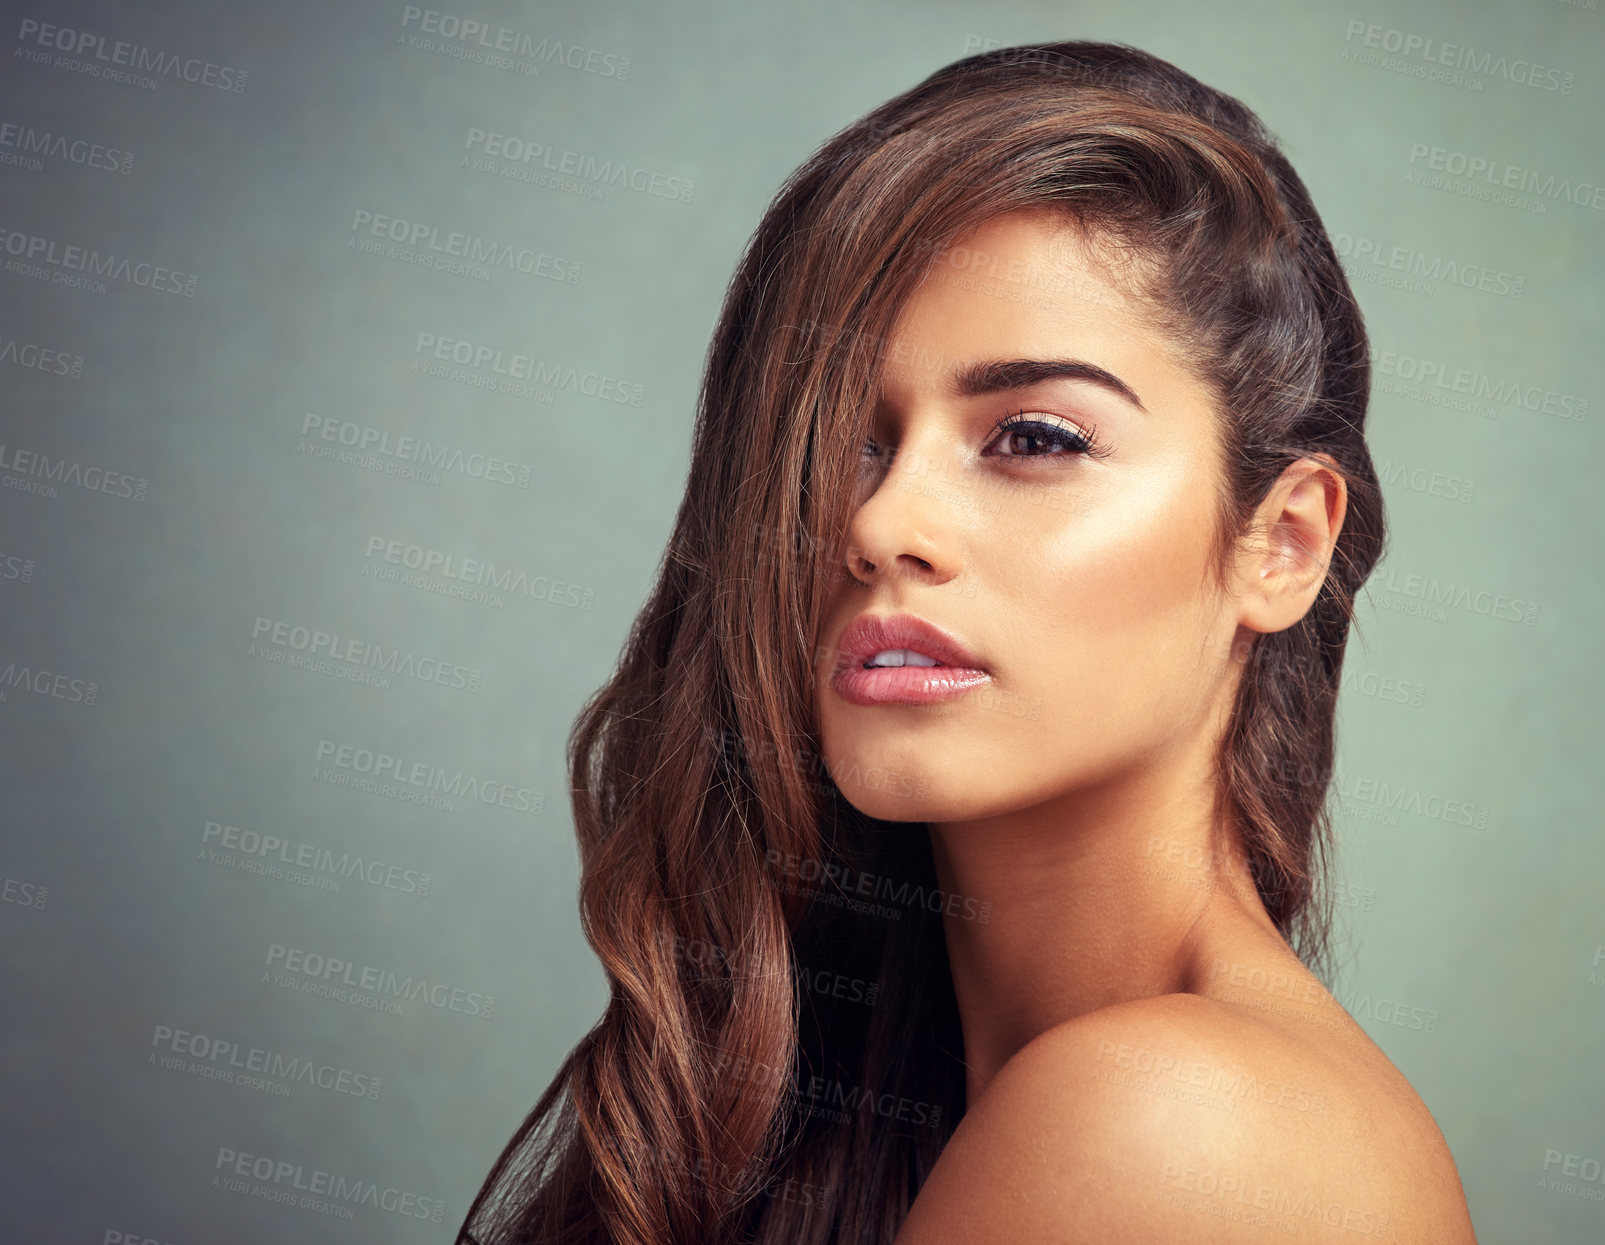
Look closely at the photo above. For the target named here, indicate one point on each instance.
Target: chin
(894, 809)
(887, 793)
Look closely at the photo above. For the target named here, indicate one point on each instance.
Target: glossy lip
(957, 671)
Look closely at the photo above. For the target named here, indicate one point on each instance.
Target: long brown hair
(719, 1098)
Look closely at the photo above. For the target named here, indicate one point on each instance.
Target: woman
(1042, 385)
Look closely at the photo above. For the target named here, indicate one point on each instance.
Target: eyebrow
(1001, 375)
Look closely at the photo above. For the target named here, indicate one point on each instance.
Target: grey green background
(1486, 937)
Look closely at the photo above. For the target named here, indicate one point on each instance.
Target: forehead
(1020, 276)
(1031, 284)
(1042, 250)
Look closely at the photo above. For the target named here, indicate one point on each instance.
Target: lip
(958, 670)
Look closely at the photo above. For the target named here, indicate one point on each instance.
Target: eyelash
(1084, 442)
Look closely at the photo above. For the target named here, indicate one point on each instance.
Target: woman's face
(1078, 582)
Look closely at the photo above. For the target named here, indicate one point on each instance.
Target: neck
(1098, 897)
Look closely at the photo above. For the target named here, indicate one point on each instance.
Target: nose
(906, 526)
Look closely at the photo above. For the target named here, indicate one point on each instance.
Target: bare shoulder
(1185, 1118)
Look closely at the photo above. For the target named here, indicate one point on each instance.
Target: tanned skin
(1147, 1059)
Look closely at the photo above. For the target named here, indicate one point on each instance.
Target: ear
(1283, 562)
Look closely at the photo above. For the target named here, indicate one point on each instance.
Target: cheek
(1108, 612)
(1094, 623)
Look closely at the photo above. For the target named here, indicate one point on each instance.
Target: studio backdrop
(348, 359)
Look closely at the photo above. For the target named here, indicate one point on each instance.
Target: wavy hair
(723, 1096)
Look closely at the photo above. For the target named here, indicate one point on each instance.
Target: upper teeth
(901, 657)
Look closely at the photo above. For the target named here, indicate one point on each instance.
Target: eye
(871, 452)
(1022, 437)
